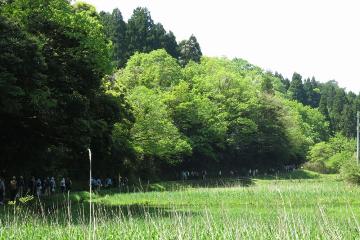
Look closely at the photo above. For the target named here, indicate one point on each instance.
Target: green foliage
(115, 30)
(312, 92)
(332, 154)
(56, 57)
(350, 171)
(296, 90)
(153, 70)
(338, 159)
(312, 123)
(189, 51)
(228, 113)
(320, 152)
(168, 108)
(153, 133)
(318, 167)
(267, 86)
(139, 34)
(338, 107)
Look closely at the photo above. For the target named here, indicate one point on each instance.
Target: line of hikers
(195, 175)
(18, 188)
(96, 184)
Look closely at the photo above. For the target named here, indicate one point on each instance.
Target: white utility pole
(90, 203)
(357, 137)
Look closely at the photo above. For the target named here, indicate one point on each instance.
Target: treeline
(72, 79)
(142, 34)
(216, 114)
(338, 106)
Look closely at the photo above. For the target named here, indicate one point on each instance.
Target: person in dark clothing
(68, 184)
(38, 187)
(46, 186)
(13, 189)
(63, 185)
(52, 185)
(21, 185)
(32, 186)
(2, 191)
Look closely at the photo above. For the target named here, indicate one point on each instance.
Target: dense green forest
(149, 106)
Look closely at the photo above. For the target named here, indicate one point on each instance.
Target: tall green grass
(314, 208)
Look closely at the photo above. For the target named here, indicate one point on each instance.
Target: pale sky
(318, 38)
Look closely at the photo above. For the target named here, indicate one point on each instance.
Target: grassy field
(299, 206)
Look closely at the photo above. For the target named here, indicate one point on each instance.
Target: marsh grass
(313, 208)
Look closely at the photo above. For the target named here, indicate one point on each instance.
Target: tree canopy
(56, 56)
(72, 78)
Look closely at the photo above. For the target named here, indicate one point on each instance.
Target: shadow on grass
(207, 183)
(74, 207)
(65, 211)
(178, 185)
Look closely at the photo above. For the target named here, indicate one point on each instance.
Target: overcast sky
(318, 38)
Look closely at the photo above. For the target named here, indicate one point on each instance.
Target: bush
(350, 171)
(336, 161)
(328, 157)
(318, 166)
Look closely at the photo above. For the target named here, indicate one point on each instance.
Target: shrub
(327, 157)
(338, 159)
(350, 171)
(318, 166)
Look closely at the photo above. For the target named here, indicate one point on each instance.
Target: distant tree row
(338, 106)
(216, 114)
(142, 34)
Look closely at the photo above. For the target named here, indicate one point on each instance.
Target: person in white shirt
(52, 185)
(38, 187)
(62, 185)
(2, 191)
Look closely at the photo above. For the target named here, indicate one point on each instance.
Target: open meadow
(307, 206)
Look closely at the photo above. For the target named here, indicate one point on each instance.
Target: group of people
(185, 175)
(192, 175)
(97, 184)
(17, 187)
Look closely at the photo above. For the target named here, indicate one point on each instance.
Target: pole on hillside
(90, 203)
(357, 137)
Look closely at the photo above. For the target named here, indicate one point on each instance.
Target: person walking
(47, 186)
(52, 185)
(32, 186)
(68, 184)
(62, 185)
(38, 187)
(13, 189)
(21, 185)
(2, 191)
(99, 184)
(108, 182)
(204, 173)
